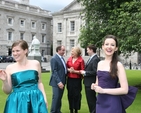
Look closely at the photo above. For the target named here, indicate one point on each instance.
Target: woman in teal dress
(22, 81)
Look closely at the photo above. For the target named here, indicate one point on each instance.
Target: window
(72, 25)
(33, 24)
(43, 38)
(43, 26)
(22, 23)
(33, 36)
(9, 35)
(22, 36)
(59, 27)
(48, 48)
(10, 21)
(71, 43)
(59, 42)
(43, 52)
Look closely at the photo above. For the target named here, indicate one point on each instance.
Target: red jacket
(77, 65)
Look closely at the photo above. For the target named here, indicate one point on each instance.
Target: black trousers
(74, 87)
(91, 99)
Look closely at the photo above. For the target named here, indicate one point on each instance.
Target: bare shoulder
(11, 66)
(35, 62)
(101, 62)
(120, 65)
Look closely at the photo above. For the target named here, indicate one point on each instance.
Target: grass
(134, 78)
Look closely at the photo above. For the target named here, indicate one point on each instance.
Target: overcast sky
(51, 5)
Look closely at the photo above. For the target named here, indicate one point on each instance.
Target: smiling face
(19, 50)
(75, 52)
(109, 46)
(61, 51)
(18, 53)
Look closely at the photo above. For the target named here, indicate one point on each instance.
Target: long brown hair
(113, 64)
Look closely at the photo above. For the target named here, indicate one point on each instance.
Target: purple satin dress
(112, 103)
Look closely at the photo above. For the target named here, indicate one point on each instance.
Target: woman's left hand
(47, 104)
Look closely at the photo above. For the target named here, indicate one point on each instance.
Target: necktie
(88, 61)
(63, 61)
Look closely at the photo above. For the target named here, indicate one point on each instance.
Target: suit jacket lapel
(88, 62)
(60, 61)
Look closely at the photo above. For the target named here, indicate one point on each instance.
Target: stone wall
(19, 11)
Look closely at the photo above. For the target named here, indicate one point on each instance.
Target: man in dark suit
(90, 77)
(58, 78)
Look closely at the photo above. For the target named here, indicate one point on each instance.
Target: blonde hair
(77, 50)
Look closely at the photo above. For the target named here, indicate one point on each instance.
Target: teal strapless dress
(25, 97)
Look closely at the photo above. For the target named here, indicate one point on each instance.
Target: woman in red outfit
(74, 64)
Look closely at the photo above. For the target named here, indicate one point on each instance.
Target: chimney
(24, 1)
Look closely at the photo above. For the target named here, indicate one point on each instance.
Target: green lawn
(134, 78)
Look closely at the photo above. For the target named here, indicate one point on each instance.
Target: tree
(121, 18)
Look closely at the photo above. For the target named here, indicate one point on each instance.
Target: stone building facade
(20, 20)
(66, 30)
(66, 27)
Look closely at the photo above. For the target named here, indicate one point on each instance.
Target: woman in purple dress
(111, 97)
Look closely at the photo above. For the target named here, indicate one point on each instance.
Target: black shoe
(71, 111)
(76, 111)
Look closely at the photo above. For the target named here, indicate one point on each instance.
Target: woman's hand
(97, 88)
(71, 70)
(47, 104)
(3, 75)
(93, 86)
